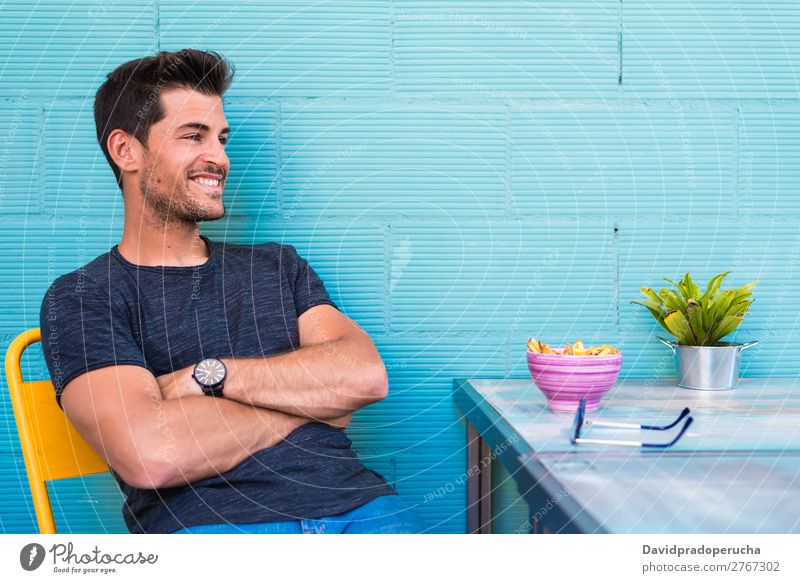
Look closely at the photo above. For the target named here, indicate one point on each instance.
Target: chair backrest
(51, 447)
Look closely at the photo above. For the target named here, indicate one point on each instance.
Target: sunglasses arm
(686, 425)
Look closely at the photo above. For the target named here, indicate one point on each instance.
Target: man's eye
(223, 140)
(192, 137)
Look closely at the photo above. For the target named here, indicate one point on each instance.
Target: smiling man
(216, 379)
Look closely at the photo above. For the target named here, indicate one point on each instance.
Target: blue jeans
(383, 515)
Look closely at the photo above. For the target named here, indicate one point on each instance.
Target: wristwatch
(210, 374)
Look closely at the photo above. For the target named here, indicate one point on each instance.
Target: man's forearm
(199, 437)
(321, 381)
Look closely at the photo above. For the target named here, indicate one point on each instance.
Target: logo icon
(31, 556)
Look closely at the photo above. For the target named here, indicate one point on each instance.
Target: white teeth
(207, 181)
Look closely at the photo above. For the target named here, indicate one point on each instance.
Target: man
(215, 379)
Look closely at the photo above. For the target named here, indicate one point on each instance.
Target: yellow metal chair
(52, 448)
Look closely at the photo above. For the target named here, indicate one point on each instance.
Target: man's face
(185, 165)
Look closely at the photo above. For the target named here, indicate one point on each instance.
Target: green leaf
(651, 295)
(713, 286)
(744, 292)
(696, 322)
(678, 326)
(652, 306)
(705, 312)
(691, 287)
(739, 308)
(721, 305)
(667, 299)
(672, 300)
(726, 326)
(684, 289)
(658, 315)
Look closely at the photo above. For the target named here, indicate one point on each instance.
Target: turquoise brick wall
(462, 174)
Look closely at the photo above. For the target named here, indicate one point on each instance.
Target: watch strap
(214, 390)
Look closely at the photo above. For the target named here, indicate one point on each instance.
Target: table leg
(479, 484)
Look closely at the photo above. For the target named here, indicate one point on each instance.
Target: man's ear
(126, 151)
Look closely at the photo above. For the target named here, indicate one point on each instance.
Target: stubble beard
(172, 204)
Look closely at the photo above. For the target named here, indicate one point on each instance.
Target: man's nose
(216, 155)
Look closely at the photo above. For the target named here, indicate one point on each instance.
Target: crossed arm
(336, 371)
(162, 432)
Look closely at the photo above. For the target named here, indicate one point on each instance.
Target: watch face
(209, 372)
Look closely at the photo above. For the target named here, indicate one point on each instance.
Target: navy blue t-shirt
(243, 302)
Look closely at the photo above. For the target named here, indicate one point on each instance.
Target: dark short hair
(129, 99)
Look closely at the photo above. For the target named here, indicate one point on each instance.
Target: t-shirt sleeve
(309, 291)
(83, 330)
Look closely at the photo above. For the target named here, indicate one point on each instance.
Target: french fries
(576, 349)
(540, 347)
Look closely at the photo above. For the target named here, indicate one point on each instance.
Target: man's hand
(179, 383)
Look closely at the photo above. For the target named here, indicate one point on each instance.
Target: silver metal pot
(708, 368)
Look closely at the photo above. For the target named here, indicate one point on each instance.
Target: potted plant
(699, 321)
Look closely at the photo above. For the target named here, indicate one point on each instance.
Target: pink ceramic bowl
(566, 379)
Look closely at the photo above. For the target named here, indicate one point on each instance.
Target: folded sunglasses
(580, 422)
